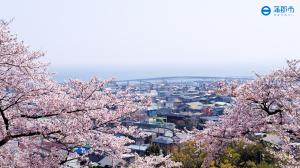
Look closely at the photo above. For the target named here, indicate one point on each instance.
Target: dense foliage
(239, 154)
(189, 155)
(153, 150)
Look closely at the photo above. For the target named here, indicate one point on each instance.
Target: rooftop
(164, 140)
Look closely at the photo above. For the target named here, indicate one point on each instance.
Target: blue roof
(81, 150)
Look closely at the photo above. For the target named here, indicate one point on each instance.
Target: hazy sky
(147, 38)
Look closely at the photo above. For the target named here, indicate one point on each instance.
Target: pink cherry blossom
(270, 104)
(154, 162)
(42, 120)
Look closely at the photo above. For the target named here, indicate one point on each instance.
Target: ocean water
(63, 74)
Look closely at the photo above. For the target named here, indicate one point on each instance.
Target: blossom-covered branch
(42, 121)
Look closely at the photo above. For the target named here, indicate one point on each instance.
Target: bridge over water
(184, 78)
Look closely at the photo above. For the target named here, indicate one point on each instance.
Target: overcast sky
(149, 38)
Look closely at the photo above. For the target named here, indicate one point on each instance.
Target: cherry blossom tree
(154, 162)
(269, 104)
(42, 121)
